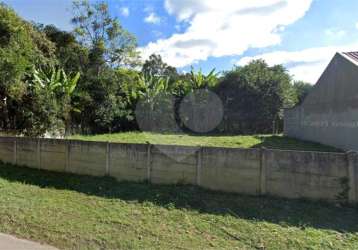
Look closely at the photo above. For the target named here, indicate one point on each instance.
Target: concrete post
(149, 164)
(263, 171)
(199, 163)
(38, 152)
(15, 151)
(352, 159)
(108, 158)
(68, 154)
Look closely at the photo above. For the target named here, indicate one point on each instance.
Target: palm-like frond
(55, 80)
(200, 80)
(152, 86)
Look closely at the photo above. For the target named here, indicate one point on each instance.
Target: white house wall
(329, 114)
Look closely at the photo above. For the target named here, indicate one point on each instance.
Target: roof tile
(352, 55)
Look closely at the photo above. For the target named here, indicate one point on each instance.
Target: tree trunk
(68, 127)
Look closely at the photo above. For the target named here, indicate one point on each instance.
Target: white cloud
(357, 25)
(306, 65)
(335, 33)
(157, 33)
(177, 27)
(217, 29)
(125, 11)
(152, 18)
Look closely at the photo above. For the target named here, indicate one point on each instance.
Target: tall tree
(21, 48)
(71, 55)
(59, 88)
(103, 104)
(108, 41)
(155, 66)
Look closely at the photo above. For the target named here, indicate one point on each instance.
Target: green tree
(152, 87)
(155, 108)
(193, 90)
(301, 89)
(107, 40)
(198, 80)
(21, 48)
(103, 102)
(155, 66)
(254, 97)
(43, 90)
(71, 55)
(104, 105)
(60, 87)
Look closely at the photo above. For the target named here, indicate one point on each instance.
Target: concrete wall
(290, 174)
(54, 155)
(128, 161)
(233, 170)
(311, 175)
(172, 164)
(329, 114)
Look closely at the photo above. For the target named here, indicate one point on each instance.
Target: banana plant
(55, 83)
(200, 80)
(151, 87)
(69, 83)
(49, 81)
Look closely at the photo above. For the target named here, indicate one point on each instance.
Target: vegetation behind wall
(113, 79)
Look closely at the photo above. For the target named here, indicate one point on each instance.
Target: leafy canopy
(104, 34)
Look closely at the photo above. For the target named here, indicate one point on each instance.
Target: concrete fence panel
(312, 175)
(290, 174)
(128, 161)
(233, 170)
(173, 164)
(27, 152)
(353, 175)
(86, 157)
(53, 154)
(8, 149)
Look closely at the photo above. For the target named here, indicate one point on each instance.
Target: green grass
(82, 212)
(236, 141)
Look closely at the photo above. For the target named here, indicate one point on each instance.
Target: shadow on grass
(287, 143)
(281, 142)
(284, 212)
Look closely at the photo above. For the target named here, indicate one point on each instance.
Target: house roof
(352, 55)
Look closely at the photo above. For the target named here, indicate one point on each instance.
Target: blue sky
(301, 34)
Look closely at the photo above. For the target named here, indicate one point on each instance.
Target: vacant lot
(82, 212)
(237, 141)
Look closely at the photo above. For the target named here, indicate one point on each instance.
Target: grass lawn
(237, 141)
(81, 212)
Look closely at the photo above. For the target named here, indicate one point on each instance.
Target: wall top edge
(208, 148)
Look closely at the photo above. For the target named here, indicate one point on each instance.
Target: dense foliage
(22, 48)
(92, 80)
(255, 95)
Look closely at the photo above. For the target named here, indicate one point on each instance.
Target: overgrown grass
(236, 141)
(82, 212)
